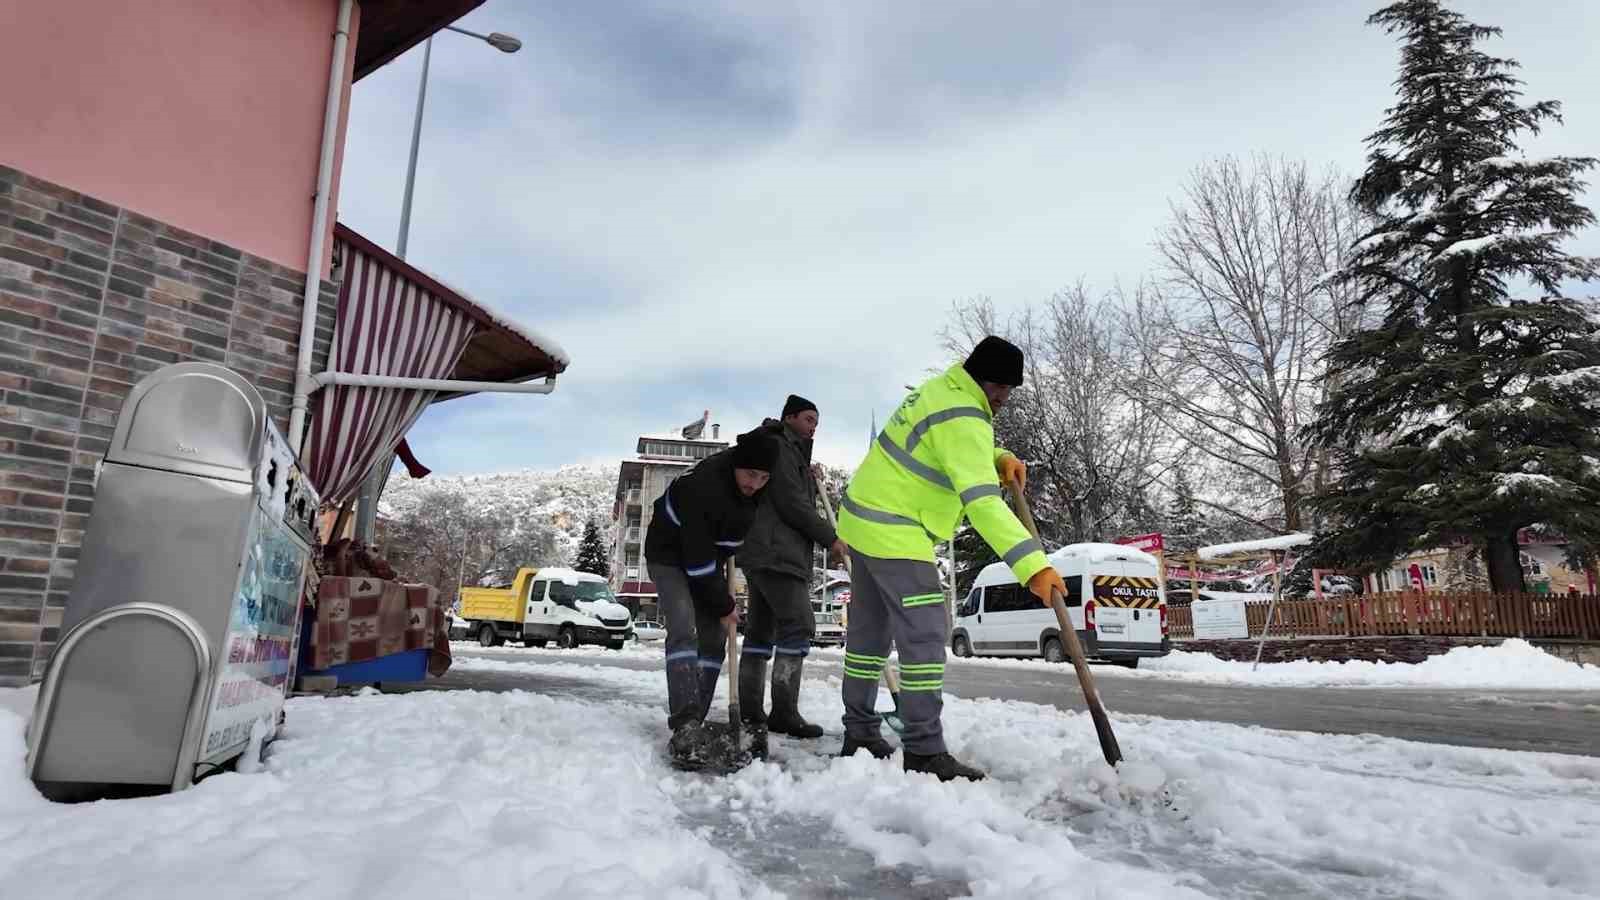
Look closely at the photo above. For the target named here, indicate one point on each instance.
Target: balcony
(631, 498)
(632, 535)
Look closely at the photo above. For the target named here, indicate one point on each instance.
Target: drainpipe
(319, 228)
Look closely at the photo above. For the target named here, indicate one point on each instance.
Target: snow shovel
(890, 678)
(735, 723)
(727, 752)
(892, 719)
(1091, 696)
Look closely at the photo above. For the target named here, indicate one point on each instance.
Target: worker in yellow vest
(933, 463)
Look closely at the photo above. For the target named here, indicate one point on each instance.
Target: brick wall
(93, 298)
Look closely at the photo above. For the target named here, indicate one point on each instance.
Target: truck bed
(491, 605)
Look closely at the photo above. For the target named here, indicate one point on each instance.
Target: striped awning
(391, 320)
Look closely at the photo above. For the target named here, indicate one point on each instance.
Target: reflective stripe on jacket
(933, 463)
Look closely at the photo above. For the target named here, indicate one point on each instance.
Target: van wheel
(487, 637)
(1052, 650)
(961, 646)
(567, 639)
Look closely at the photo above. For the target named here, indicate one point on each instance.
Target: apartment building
(659, 459)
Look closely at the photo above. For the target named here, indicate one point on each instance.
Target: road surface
(1548, 721)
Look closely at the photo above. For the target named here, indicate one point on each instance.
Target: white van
(573, 608)
(1113, 599)
(828, 607)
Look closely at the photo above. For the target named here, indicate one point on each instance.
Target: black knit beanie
(797, 404)
(755, 451)
(996, 361)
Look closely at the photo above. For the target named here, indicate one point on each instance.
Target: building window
(631, 556)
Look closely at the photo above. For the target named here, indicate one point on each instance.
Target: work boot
(707, 689)
(943, 765)
(756, 731)
(876, 745)
(753, 689)
(688, 746)
(785, 717)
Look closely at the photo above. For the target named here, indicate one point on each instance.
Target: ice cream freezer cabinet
(182, 627)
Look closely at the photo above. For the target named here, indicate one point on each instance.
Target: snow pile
(1099, 553)
(1472, 245)
(1513, 664)
(20, 701)
(1282, 542)
(1510, 482)
(424, 795)
(437, 794)
(513, 653)
(533, 336)
(1582, 377)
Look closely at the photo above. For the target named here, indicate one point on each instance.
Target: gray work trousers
(696, 645)
(780, 617)
(896, 601)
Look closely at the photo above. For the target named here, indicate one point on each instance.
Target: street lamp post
(372, 488)
(505, 43)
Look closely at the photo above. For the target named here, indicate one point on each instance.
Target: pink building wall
(206, 114)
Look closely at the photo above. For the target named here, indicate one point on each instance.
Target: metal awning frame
(442, 385)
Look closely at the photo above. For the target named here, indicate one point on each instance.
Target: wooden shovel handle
(1069, 635)
(733, 657)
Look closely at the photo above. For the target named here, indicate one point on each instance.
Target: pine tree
(1184, 529)
(1465, 413)
(592, 555)
(972, 555)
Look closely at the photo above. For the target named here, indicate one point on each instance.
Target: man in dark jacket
(776, 558)
(698, 523)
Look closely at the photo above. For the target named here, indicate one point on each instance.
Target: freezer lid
(196, 418)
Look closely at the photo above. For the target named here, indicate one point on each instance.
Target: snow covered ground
(1512, 665)
(477, 795)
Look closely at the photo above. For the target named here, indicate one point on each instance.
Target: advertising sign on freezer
(259, 644)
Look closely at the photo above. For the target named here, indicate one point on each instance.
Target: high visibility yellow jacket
(933, 462)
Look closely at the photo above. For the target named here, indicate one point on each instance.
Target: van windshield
(583, 590)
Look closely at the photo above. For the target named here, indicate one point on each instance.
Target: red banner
(1149, 543)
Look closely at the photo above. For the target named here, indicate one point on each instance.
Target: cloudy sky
(713, 204)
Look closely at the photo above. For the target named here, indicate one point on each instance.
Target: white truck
(544, 605)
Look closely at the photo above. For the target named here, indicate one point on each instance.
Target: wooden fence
(1443, 614)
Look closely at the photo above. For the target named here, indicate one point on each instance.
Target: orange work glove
(1011, 471)
(1044, 582)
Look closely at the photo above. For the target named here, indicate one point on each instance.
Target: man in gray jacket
(776, 560)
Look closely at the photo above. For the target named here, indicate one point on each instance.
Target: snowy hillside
(562, 500)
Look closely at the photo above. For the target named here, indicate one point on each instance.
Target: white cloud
(790, 199)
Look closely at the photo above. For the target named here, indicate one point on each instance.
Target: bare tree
(1093, 453)
(445, 542)
(1234, 331)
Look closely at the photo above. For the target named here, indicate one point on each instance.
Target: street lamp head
(505, 43)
